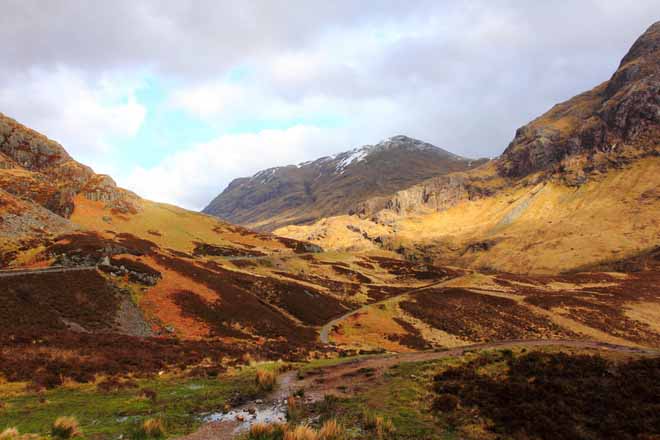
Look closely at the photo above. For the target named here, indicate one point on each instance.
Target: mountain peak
(334, 184)
(398, 142)
(646, 44)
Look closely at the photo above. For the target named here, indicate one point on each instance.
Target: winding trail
(324, 333)
(349, 377)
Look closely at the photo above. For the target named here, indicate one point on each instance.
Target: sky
(174, 99)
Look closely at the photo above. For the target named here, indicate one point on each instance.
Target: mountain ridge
(302, 193)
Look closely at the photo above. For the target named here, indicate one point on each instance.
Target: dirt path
(324, 333)
(353, 376)
(59, 269)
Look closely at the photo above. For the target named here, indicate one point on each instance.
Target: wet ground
(351, 377)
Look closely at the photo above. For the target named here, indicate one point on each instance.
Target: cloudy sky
(176, 98)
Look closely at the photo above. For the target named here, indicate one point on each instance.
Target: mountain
(576, 186)
(619, 119)
(299, 194)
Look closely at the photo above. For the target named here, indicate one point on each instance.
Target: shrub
(368, 419)
(13, 434)
(65, 428)
(328, 404)
(445, 402)
(330, 430)
(148, 394)
(265, 380)
(546, 387)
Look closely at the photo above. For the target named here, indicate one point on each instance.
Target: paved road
(324, 334)
(58, 269)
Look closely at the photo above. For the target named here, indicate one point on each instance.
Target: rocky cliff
(619, 119)
(36, 168)
(303, 193)
(608, 127)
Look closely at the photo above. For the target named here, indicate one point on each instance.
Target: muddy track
(324, 333)
(22, 272)
(356, 375)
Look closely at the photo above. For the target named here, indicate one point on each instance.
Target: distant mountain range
(333, 185)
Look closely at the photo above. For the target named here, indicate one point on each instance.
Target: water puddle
(247, 415)
(271, 410)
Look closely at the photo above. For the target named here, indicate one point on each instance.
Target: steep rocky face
(434, 194)
(303, 193)
(608, 127)
(620, 117)
(36, 168)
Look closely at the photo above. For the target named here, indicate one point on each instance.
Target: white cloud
(84, 116)
(188, 178)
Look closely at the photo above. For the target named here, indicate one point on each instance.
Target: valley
(392, 291)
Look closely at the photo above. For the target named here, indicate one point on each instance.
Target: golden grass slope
(170, 226)
(546, 228)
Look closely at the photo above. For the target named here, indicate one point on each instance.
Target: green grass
(323, 363)
(404, 398)
(180, 403)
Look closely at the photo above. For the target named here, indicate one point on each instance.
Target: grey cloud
(464, 75)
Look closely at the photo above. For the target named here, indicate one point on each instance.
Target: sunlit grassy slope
(545, 228)
(169, 226)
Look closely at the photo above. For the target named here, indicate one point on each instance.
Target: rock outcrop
(39, 169)
(619, 118)
(608, 127)
(435, 194)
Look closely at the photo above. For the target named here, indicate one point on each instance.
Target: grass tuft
(149, 429)
(265, 380)
(301, 432)
(263, 431)
(331, 430)
(9, 434)
(66, 428)
(381, 426)
(293, 408)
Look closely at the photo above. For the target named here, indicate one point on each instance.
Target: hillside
(162, 270)
(299, 194)
(576, 186)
